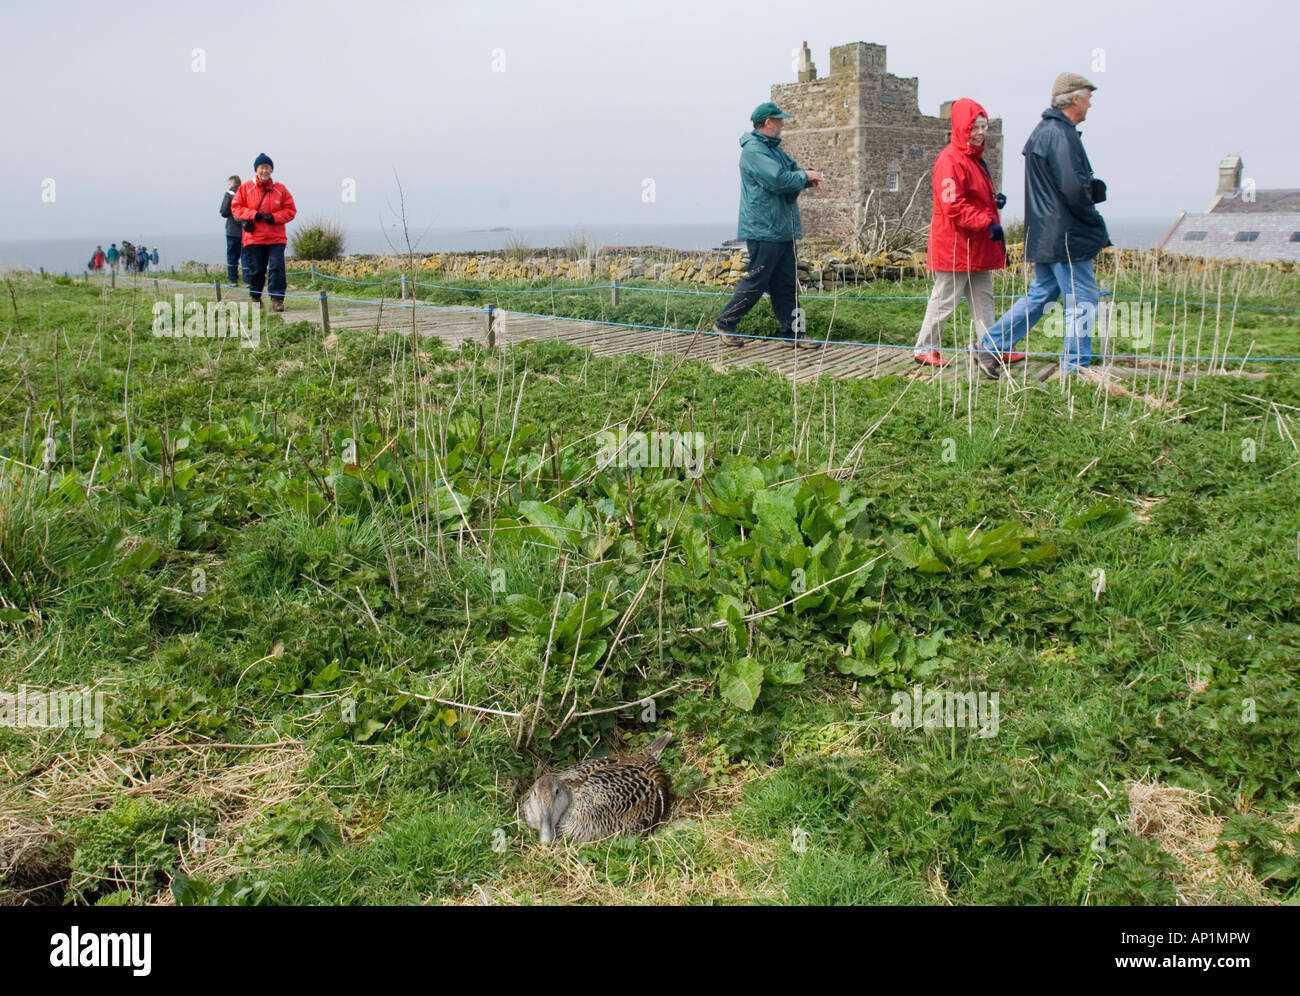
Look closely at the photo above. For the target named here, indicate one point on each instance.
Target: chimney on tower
(1229, 176)
(807, 71)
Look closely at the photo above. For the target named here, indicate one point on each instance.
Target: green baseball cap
(767, 110)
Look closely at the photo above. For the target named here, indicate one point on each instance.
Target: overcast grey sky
(104, 99)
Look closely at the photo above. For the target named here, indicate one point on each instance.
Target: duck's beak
(547, 830)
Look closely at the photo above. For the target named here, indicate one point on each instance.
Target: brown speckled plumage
(605, 797)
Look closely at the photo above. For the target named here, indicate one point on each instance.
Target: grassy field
(344, 599)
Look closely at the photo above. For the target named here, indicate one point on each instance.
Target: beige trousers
(950, 288)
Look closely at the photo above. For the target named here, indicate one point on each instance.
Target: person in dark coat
(771, 182)
(1063, 232)
(234, 231)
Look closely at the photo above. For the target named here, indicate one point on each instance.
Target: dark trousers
(264, 263)
(771, 269)
(234, 245)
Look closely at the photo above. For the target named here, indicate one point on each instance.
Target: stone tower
(863, 127)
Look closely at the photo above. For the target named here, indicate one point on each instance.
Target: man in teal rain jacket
(769, 223)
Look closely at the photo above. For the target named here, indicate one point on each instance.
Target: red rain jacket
(277, 200)
(963, 202)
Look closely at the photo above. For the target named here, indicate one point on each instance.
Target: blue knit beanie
(263, 158)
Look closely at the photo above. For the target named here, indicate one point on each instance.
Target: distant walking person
(112, 257)
(265, 208)
(1063, 232)
(234, 231)
(770, 184)
(966, 240)
(141, 260)
(97, 260)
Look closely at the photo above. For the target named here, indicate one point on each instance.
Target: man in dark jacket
(234, 232)
(769, 223)
(1063, 232)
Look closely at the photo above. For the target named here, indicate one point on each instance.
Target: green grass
(228, 577)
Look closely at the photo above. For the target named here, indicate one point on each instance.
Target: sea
(73, 255)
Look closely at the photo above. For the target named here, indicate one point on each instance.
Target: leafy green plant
(131, 845)
(876, 651)
(932, 551)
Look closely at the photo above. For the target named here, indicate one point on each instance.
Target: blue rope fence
(490, 309)
(314, 273)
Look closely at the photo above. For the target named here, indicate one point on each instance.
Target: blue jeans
(264, 263)
(234, 245)
(771, 269)
(1074, 280)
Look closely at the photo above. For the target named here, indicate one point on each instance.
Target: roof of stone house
(1228, 236)
(1264, 202)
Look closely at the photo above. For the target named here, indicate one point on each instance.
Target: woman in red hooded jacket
(265, 208)
(966, 240)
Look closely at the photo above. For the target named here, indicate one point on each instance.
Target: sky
(123, 116)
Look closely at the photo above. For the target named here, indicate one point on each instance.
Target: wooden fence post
(1105, 301)
(491, 326)
(613, 293)
(324, 314)
(217, 285)
(403, 286)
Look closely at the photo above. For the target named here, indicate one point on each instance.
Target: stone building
(863, 127)
(1241, 222)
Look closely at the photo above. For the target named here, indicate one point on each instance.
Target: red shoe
(1012, 357)
(932, 358)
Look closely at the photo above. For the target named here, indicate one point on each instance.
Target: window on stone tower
(893, 181)
(1246, 237)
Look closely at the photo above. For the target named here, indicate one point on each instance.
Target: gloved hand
(995, 232)
(266, 216)
(1098, 191)
(1000, 200)
(249, 225)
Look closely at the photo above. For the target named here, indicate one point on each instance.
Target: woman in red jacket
(264, 208)
(966, 241)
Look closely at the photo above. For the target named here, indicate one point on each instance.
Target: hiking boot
(989, 364)
(277, 304)
(803, 340)
(730, 339)
(1012, 357)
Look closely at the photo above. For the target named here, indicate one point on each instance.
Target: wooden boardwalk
(801, 365)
